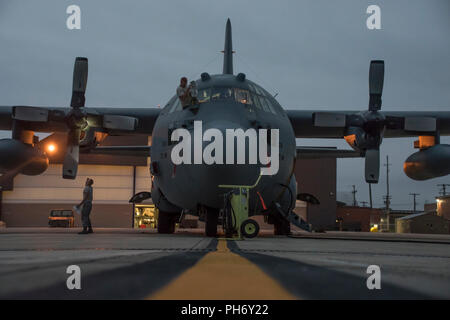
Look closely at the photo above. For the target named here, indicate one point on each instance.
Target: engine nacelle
(429, 163)
(14, 153)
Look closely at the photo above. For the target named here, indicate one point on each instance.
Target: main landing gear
(166, 222)
(212, 219)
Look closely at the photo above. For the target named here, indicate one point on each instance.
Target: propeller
(76, 119)
(82, 125)
(364, 130)
(376, 80)
(375, 122)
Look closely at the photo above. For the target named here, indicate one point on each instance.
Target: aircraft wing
(54, 119)
(365, 130)
(396, 124)
(372, 124)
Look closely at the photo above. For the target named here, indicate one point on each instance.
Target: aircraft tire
(166, 223)
(212, 218)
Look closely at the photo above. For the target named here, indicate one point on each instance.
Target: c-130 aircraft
(225, 102)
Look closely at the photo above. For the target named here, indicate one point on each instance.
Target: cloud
(315, 54)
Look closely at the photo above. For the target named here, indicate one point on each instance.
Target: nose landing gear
(235, 219)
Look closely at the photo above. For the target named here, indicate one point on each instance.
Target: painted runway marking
(223, 275)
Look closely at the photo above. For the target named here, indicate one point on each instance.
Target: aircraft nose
(210, 175)
(209, 178)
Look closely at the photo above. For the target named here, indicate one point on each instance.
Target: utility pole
(370, 195)
(414, 196)
(1, 198)
(134, 192)
(355, 204)
(443, 188)
(388, 196)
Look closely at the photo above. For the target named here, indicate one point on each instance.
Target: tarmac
(141, 264)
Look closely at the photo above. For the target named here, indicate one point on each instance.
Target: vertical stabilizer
(228, 50)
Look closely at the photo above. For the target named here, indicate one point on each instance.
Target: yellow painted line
(223, 275)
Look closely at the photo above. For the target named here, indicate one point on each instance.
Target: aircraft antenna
(228, 50)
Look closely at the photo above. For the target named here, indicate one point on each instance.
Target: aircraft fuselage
(225, 103)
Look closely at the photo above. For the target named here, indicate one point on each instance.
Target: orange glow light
(51, 147)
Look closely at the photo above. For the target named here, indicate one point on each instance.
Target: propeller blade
(329, 119)
(376, 79)
(372, 166)
(70, 164)
(80, 76)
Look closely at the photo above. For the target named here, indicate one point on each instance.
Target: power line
(355, 204)
(414, 196)
(202, 69)
(263, 81)
(443, 186)
(388, 196)
(370, 195)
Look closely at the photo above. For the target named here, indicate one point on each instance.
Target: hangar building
(26, 201)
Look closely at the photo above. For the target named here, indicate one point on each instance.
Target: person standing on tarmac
(87, 206)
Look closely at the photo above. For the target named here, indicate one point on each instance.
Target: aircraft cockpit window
(261, 99)
(243, 96)
(271, 107)
(256, 101)
(266, 105)
(204, 95)
(259, 91)
(222, 94)
(252, 88)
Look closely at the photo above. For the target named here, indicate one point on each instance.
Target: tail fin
(228, 50)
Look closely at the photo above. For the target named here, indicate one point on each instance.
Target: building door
(145, 216)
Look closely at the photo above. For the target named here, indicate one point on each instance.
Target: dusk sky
(314, 54)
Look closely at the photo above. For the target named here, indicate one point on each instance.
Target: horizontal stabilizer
(138, 151)
(325, 152)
